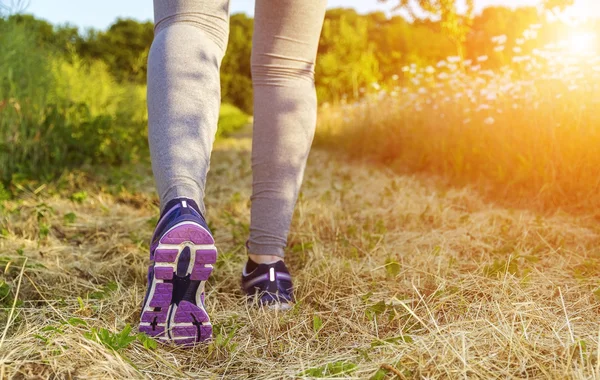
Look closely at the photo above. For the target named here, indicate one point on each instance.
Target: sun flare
(581, 43)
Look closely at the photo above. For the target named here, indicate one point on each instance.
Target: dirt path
(389, 270)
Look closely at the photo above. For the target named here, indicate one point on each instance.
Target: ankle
(264, 259)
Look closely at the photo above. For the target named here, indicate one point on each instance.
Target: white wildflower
(453, 59)
(530, 34)
(483, 58)
(500, 40)
(489, 121)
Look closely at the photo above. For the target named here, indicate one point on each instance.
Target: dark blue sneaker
(183, 253)
(269, 285)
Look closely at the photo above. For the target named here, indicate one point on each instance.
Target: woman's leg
(184, 93)
(183, 108)
(286, 37)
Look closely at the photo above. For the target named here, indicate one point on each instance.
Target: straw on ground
(396, 277)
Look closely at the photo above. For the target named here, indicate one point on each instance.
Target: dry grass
(469, 289)
(526, 133)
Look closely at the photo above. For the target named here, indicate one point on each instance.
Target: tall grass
(528, 132)
(59, 112)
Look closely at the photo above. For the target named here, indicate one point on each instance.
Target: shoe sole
(186, 323)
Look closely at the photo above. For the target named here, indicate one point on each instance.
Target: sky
(100, 14)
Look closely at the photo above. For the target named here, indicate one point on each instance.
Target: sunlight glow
(582, 43)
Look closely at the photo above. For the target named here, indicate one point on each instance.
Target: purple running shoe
(268, 285)
(183, 253)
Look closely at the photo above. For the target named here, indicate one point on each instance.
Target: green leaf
(4, 292)
(147, 342)
(366, 297)
(330, 369)
(79, 196)
(76, 322)
(52, 329)
(113, 341)
(392, 267)
(70, 218)
(379, 375)
(375, 310)
(317, 323)
(44, 230)
(42, 338)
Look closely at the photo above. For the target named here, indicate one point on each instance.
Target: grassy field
(525, 133)
(397, 277)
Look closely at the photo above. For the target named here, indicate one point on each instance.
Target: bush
(57, 113)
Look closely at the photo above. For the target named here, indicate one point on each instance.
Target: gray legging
(184, 97)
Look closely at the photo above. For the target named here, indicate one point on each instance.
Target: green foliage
(224, 333)
(347, 61)
(114, 341)
(231, 119)
(57, 113)
(70, 218)
(317, 323)
(381, 374)
(79, 196)
(74, 321)
(375, 310)
(147, 342)
(5, 295)
(105, 291)
(334, 369)
(236, 77)
(123, 47)
(452, 24)
(392, 267)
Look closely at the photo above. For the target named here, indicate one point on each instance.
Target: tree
(236, 76)
(346, 62)
(453, 24)
(557, 4)
(124, 47)
(13, 6)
